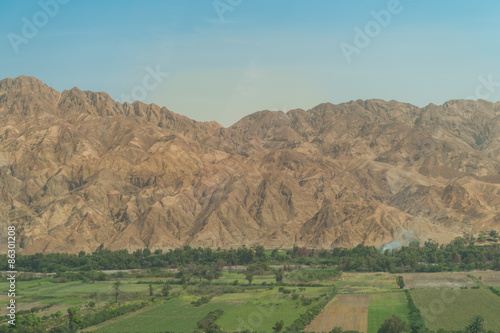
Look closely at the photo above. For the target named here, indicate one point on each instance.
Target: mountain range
(80, 171)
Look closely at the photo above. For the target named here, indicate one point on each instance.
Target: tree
(476, 325)
(93, 275)
(394, 325)
(165, 291)
(150, 289)
(336, 330)
(73, 327)
(279, 276)
(400, 281)
(278, 327)
(482, 237)
(249, 278)
(116, 289)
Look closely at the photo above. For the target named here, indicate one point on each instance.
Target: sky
(224, 59)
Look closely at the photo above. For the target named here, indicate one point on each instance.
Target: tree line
(462, 254)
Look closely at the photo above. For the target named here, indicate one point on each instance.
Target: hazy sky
(228, 58)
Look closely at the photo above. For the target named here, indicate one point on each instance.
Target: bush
(108, 314)
(305, 318)
(201, 301)
(207, 323)
(495, 291)
(417, 323)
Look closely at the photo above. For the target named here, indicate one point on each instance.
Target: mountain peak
(80, 171)
(24, 83)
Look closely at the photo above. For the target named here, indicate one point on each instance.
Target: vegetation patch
(384, 306)
(453, 309)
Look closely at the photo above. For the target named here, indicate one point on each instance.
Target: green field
(362, 283)
(260, 314)
(453, 309)
(71, 293)
(320, 276)
(383, 306)
(258, 310)
(174, 316)
(256, 307)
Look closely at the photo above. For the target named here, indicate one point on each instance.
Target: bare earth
(350, 312)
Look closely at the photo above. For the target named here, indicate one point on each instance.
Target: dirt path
(350, 312)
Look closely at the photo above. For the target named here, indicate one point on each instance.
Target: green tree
(394, 325)
(400, 281)
(249, 278)
(482, 237)
(476, 325)
(73, 326)
(278, 327)
(93, 275)
(151, 289)
(279, 276)
(165, 291)
(336, 330)
(117, 290)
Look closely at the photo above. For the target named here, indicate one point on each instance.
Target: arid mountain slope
(79, 171)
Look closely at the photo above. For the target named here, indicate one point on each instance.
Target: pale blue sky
(263, 55)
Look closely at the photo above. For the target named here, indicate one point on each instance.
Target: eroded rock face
(79, 171)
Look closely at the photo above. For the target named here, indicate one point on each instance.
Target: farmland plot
(383, 306)
(453, 309)
(489, 278)
(366, 283)
(350, 312)
(437, 280)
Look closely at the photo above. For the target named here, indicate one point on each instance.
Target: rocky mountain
(80, 171)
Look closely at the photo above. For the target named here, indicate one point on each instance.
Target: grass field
(364, 301)
(261, 313)
(258, 310)
(453, 309)
(174, 316)
(383, 306)
(259, 279)
(320, 276)
(42, 292)
(367, 283)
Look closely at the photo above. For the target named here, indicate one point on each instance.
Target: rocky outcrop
(79, 171)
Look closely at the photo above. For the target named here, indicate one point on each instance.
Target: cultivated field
(445, 280)
(364, 300)
(173, 316)
(453, 309)
(350, 312)
(489, 278)
(383, 306)
(367, 283)
(255, 310)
